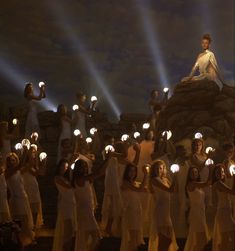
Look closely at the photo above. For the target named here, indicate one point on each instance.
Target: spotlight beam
(153, 42)
(81, 51)
(18, 80)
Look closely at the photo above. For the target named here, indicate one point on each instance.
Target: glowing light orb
(72, 166)
(34, 134)
(198, 135)
(18, 146)
(75, 107)
(26, 142)
(175, 168)
(93, 98)
(168, 134)
(109, 148)
(41, 84)
(77, 132)
(232, 170)
(93, 130)
(42, 156)
(209, 149)
(166, 89)
(209, 162)
(124, 137)
(15, 121)
(146, 126)
(136, 135)
(34, 146)
(88, 140)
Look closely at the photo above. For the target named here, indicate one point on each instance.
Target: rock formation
(199, 106)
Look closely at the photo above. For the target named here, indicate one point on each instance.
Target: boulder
(199, 106)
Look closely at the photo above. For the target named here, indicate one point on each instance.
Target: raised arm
(39, 97)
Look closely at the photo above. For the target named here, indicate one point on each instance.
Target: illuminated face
(33, 153)
(64, 167)
(161, 171)
(155, 94)
(205, 44)
(30, 88)
(194, 174)
(150, 135)
(82, 99)
(198, 146)
(220, 174)
(132, 173)
(13, 161)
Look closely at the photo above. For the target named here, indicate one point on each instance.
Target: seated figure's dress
(208, 68)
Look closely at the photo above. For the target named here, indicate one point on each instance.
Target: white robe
(208, 68)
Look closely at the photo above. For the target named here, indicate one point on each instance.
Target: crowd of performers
(154, 189)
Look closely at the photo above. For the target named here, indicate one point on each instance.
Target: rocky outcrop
(199, 106)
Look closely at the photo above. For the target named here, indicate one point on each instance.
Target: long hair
(9, 156)
(189, 179)
(58, 166)
(154, 170)
(127, 171)
(26, 89)
(79, 170)
(217, 169)
(194, 143)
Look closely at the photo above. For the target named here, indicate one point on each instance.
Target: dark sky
(117, 50)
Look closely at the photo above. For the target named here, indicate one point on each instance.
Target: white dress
(66, 217)
(112, 202)
(81, 123)
(32, 124)
(224, 221)
(197, 221)
(161, 219)
(32, 190)
(65, 134)
(19, 206)
(86, 221)
(147, 148)
(208, 68)
(180, 202)
(4, 208)
(132, 219)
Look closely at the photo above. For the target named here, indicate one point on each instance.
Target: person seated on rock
(206, 64)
